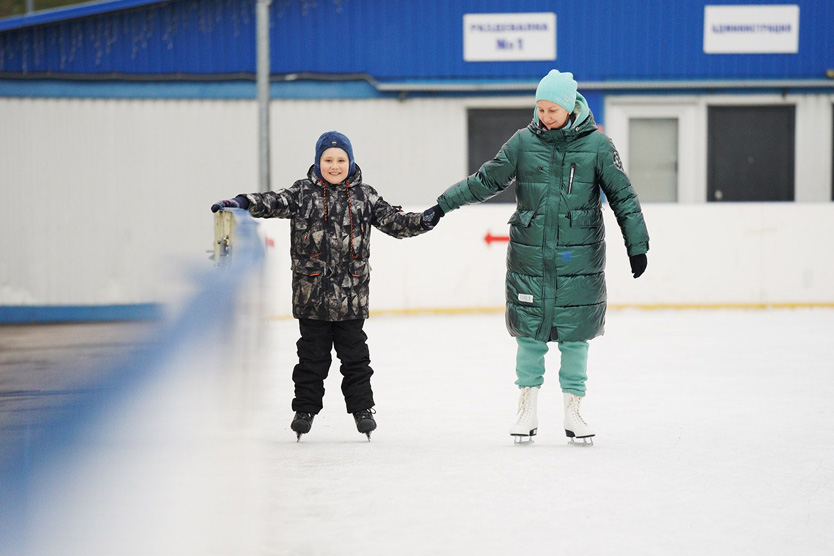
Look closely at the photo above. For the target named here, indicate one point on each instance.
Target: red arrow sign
(489, 238)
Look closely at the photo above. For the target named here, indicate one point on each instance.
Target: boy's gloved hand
(431, 217)
(238, 202)
(638, 264)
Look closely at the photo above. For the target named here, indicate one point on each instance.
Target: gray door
(653, 158)
(750, 153)
(489, 129)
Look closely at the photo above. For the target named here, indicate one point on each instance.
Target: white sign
(502, 37)
(751, 29)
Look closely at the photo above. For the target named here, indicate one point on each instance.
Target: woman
(555, 286)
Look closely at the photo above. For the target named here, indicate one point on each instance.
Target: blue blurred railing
(213, 305)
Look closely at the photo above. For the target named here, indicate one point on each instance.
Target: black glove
(240, 202)
(431, 217)
(638, 264)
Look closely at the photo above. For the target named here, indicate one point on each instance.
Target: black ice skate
(365, 421)
(301, 423)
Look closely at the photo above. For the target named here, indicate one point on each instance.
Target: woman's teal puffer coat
(555, 285)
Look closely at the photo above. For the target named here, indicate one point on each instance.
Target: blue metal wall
(394, 40)
(598, 40)
(189, 36)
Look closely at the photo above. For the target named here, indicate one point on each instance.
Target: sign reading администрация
(770, 29)
(509, 37)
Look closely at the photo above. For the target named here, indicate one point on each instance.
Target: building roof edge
(68, 13)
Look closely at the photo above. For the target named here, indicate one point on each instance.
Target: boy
(332, 212)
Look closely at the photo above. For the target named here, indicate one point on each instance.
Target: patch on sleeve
(525, 298)
(616, 156)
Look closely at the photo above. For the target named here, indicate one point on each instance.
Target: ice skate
(365, 422)
(526, 422)
(575, 426)
(301, 423)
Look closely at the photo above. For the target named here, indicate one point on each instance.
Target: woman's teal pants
(573, 371)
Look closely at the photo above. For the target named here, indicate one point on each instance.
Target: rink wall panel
(707, 255)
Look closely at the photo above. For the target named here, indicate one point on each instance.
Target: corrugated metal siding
(395, 40)
(410, 167)
(116, 191)
(113, 192)
(191, 37)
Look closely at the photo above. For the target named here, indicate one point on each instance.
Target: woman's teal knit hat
(559, 88)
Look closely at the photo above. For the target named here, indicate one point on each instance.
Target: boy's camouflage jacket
(331, 241)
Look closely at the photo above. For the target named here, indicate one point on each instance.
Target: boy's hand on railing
(431, 217)
(638, 264)
(240, 202)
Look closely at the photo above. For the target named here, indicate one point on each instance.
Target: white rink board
(702, 255)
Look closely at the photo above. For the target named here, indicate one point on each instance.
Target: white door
(660, 146)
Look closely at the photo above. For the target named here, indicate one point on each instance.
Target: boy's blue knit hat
(559, 88)
(331, 139)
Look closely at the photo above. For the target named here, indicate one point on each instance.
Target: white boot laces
(573, 405)
(524, 405)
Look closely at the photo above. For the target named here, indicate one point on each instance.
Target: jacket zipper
(551, 190)
(570, 180)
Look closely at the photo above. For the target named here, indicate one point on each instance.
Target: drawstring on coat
(353, 253)
(350, 212)
(325, 199)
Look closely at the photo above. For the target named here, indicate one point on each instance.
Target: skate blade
(524, 438)
(585, 442)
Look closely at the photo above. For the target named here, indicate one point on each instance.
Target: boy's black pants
(318, 337)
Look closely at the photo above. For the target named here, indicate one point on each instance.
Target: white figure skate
(526, 422)
(575, 426)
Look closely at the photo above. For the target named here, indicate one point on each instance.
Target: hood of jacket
(581, 123)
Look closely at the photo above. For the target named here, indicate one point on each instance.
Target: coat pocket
(523, 230)
(360, 269)
(309, 287)
(310, 268)
(521, 218)
(586, 227)
(585, 218)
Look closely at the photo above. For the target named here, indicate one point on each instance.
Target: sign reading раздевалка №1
(771, 29)
(509, 37)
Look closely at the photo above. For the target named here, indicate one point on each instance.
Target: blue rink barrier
(209, 308)
(24, 314)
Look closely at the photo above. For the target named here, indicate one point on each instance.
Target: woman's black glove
(431, 217)
(638, 264)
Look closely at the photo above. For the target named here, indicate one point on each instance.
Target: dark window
(489, 129)
(750, 153)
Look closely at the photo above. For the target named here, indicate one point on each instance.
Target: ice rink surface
(715, 436)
